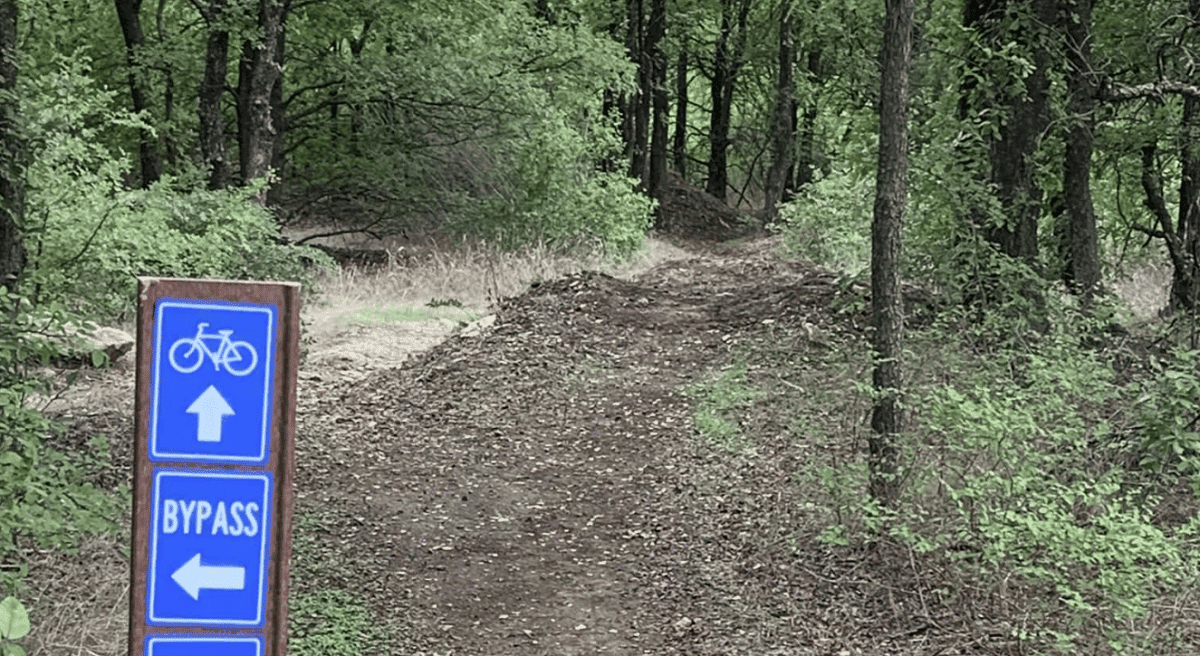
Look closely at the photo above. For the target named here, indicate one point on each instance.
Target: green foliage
(1014, 483)
(89, 238)
(717, 406)
(1168, 407)
(829, 223)
(333, 623)
(482, 118)
(45, 496)
(14, 625)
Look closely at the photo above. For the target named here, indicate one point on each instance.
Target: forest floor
(580, 474)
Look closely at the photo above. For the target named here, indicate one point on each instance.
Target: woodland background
(1041, 150)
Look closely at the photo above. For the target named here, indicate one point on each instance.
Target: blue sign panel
(203, 646)
(211, 381)
(208, 548)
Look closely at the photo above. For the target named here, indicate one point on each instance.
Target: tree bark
(639, 110)
(258, 72)
(1012, 153)
(806, 167)
(891, 190)
(170, 145)
(1083, 266)
(656, 30)
(129, 16)
(1185, 283)
(279, 119)
(212, 89)
(12, 190)
(784, 127)
(679, 141)
(730, 48)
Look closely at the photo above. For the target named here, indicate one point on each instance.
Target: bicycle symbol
(228, 353)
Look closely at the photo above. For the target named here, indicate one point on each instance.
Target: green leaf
(12, 650)
(14, 619)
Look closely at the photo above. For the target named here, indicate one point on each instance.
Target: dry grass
(473, 273)
(80, 603)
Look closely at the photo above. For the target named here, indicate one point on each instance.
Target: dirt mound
(689, 212)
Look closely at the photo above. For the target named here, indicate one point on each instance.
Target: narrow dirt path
(538, 488)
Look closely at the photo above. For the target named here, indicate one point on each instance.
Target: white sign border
(152, 560)
(268, 364)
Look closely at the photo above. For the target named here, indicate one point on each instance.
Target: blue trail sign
(213, 467)
(208, 548)
(210, 399)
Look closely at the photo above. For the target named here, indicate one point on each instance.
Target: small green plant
(333, 623)
(1168, 405)
(444, 302)
(717, 406)
(14, 625)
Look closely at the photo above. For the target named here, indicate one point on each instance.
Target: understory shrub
(45, 497)
(88, 237)
(829, 223)
(1018, 487)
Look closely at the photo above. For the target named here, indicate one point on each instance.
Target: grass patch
(719, 406)
(334, 623)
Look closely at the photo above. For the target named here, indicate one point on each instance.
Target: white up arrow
(209, 408)
(192, 577)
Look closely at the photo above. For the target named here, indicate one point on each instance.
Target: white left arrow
(209, 408)
(193, 577)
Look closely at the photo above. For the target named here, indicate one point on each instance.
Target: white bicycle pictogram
(228, 353)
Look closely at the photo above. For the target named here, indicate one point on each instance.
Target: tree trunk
(212, 89)
(806, 167)
(679, 143)
(1027, 115)
(886, 307)
(12, 196)
(128, 14)
(279, 117)
(1185, 284)
(783, 130)
(1083, 266)
(170, 147)
(639, 104)
(258, 71)
(718, 128)
(655, 32)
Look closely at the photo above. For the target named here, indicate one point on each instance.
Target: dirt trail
(538, 487)
(534, 489)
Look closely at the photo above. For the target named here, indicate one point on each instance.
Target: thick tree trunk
(655, 32)
(12, 196)
(783, 130)
(129, 16)
(1083, 266)
(212, 89)
(258, 72)
(679, 139)
(1011, 152)
(890, 194)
